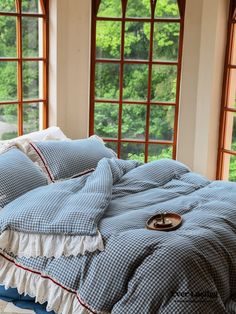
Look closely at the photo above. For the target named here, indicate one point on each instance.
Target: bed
(80, 245)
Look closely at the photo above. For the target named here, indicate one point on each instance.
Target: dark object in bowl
(164, 222)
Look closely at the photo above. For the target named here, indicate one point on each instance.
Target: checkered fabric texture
(189, 270)
(72, 207)
(67, 158)
(18, 175)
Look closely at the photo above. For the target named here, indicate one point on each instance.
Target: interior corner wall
(202, 75)
(69, 60)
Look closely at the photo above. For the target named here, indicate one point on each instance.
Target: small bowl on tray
(164, 222)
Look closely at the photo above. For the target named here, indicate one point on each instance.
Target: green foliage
(8, 70)
(135, 77)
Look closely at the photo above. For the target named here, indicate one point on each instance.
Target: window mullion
(19, 70)
(45, 65)
(179, 66)
(121, 78)
(149, 81)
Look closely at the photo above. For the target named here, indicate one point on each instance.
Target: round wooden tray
(175, 219)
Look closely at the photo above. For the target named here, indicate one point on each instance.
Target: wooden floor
(10, 308)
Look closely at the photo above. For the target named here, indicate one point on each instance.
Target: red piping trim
(43, 160)
(46, 277)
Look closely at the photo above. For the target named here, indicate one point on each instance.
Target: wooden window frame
(225, 93)
(149, 62)
(20, 59)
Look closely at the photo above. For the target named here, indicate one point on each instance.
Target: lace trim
(48, 245)
(44, 289)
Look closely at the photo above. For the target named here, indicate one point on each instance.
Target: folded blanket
(62, 218)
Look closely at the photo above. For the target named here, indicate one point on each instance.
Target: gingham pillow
(65, 159)
(18, 175)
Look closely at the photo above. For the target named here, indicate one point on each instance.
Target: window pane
(8, 122)
(8, 81)
(231, 102)
(230, 131)
(7, 36)
(32, 37)
(32, 83)
(162, 123)
(232, 168)
(110, 8)
(108, 38)
(132, 151)
(135, 81)
(32, 114)
(107, 81)
(134, 121)
(137, 37)
(139, 8)
(7, 6)
(106, 120)
(229, 171)
(164, 83)
(157, 151)
(166, 41)
(167, 8)
(32, 6)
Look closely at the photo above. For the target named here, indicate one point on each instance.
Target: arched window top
(109, 8)
(7, 6)
(25, 6)
(167, 9)
(140, 8)
(135, 76)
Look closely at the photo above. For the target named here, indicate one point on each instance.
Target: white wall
(69, 66)
(203, 60)
(202, 75)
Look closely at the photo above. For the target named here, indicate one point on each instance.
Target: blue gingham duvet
(189, 270)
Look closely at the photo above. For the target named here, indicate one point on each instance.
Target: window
(135, 76)
(23, 66)
(226, 168)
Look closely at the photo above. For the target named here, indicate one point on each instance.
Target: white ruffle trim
(48, 245)
(43, 290)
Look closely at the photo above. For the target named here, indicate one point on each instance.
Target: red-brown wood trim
(5, 59)
(138, 19)
(92, 68)
(138, 141)
(22, 14)
(149, 90)
(225, 87)
(134, 102)
(19, 70)
(20, 59)
(178, 82)
(28, 101)
(135, 61)
(228, 151)
(181, 4)
(148, 62)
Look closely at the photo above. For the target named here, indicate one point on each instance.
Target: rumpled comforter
(189, 270)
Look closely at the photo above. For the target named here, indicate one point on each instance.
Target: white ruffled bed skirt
(34, 245)
(42, 288)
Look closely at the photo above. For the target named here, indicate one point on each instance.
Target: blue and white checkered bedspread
(189, 270)
(72, 207)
